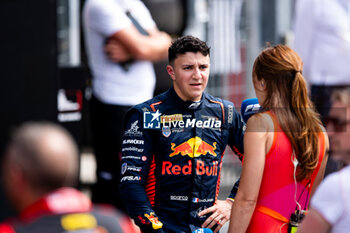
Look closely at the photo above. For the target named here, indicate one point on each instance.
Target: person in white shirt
(330, 206)
(120, 55)
(322, 39)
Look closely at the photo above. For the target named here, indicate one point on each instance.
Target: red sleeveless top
(277, 191)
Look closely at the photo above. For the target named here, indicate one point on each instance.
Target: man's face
(338, 128)
(190, 73)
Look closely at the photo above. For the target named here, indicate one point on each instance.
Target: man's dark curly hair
(186, 44)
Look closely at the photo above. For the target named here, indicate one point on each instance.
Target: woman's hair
(287, 97)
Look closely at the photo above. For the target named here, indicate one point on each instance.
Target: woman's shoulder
(325, 135)
(261, 122)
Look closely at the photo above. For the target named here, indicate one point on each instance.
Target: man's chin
(196, 96)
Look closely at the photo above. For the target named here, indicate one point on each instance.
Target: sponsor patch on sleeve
(151, 120)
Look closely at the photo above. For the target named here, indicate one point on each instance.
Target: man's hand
(221, 212)
(116, 52)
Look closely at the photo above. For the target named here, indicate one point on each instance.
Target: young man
(173, 147)
(40, 163)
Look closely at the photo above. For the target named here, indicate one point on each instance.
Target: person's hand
(221, 212)
(116, 52)
(135, 227)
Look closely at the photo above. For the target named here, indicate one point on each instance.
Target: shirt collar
(185, 104)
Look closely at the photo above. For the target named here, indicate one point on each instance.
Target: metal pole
(253, 41)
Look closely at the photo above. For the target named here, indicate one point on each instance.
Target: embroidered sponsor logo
(197, 200)
(134, 168)
(126, 167)
(134, 130)
(130, 178)
(166, 131)
(151, 120)
(171, 118)
(230, 114)
(178, 198)
(168, 168)
(132, 149)
(192, 123)
(193, 147)
(130, 157)
(133, 141)
(177, 130)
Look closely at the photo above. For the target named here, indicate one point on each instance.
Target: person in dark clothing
(173, 148)
(40, 168)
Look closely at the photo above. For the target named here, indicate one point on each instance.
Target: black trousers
(107, 126)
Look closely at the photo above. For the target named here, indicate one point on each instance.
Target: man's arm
(153, 47)
(136, 169)
(109, 19)
(236, 142)
(221, 211)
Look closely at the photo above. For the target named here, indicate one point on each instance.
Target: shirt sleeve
(328, 200)
(304, 28)
(236, 131)
(137, 173)
(106, 17)
(142, 15)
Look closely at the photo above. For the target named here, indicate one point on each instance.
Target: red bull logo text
(193, 147)
(168, 168)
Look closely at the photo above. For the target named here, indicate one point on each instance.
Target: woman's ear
(170, 70)
(260, 84)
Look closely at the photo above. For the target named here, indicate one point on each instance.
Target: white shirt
(111, 83)
(322, 39)
(332, 200)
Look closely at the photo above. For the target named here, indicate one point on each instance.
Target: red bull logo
(168, 168)
(193, 147)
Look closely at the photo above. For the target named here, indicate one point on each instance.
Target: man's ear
(170, 71)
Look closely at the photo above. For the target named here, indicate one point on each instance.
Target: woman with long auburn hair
(285, 148)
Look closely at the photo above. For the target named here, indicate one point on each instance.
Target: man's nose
(196, 73)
